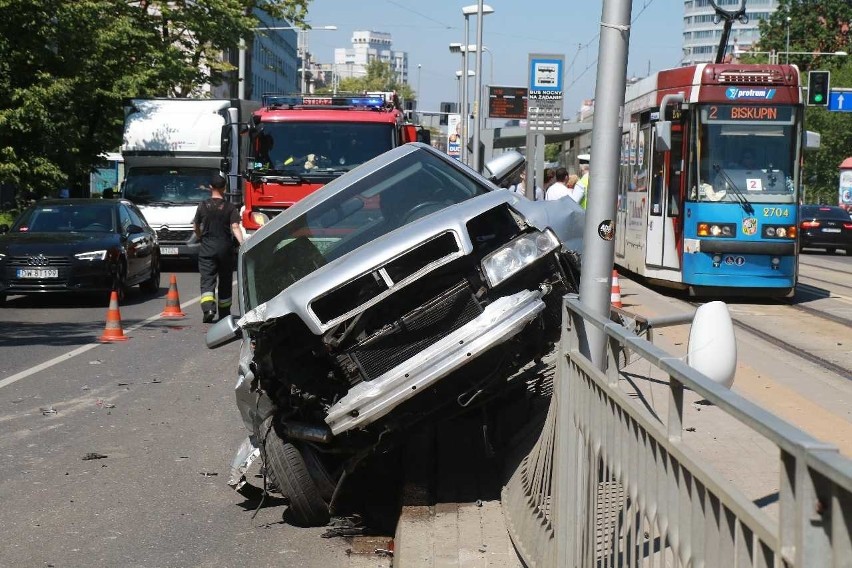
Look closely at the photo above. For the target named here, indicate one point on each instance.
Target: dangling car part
(406, 290)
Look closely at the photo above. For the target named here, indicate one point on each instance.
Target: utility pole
(599, 230)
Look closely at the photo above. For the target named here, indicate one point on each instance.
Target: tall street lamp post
(467, 11)
(789, 19)
(480, 10)
(241, 62)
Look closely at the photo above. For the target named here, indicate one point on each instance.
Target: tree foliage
(817, 26)
(380, 77)
(65, 68)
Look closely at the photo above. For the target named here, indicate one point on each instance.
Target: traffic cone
(615, 294)
(173, 301)
(113, 331)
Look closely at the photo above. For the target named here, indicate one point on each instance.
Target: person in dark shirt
(216, 223)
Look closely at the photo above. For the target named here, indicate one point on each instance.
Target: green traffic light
(818, 98)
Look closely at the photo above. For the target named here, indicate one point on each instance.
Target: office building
(701, 35)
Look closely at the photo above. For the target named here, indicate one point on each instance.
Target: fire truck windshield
(306, 148)
(747, 153)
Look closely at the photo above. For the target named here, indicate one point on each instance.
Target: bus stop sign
(544, 98)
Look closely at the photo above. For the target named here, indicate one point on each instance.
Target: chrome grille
(35, 261)
(415, 331)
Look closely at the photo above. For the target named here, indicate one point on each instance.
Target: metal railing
(610, 484)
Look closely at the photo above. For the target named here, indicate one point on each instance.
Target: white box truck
(171, 149)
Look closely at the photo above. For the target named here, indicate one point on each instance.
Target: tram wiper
(738, 194)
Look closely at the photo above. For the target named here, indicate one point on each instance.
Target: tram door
(663, 206)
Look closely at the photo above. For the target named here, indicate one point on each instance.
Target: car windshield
(67, 218)
(823, 212)
(319, 148)
(747, 153)
(398, 193)
(177, 185)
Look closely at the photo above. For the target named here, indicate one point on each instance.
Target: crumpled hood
(564, 217)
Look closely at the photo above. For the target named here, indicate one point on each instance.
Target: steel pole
(477, 127)
(241, 71)
(598, 242)
(463, 110)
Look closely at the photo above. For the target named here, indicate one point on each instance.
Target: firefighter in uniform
(216, 223)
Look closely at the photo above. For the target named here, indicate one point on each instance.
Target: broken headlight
(517, 255)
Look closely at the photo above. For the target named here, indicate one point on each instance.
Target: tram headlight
(723, 230)
(779, 231)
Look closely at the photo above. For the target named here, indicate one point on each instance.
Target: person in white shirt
(521, 186)
(559, 189)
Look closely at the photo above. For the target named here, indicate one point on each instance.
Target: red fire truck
(300, 143)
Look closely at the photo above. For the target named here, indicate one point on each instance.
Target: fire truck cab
(300, 143)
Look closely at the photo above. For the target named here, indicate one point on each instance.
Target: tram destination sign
(749, 113)
(507, 102)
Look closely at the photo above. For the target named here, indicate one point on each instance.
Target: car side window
(124, 217)
(137, 219)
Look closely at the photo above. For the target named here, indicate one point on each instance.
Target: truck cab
(300, 143)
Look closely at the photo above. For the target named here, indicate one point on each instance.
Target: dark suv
(825, 226)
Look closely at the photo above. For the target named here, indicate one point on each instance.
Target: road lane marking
(83, 348)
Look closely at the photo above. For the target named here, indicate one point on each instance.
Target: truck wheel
(307, 506)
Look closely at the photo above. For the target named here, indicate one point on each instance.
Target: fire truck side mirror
(409, 133)
(663, 138)
(423, 135)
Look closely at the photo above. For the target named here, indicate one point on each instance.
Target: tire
(307, 506)
(152, 284)
(119, 282)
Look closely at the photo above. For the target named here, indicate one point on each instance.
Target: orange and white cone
(173, 301)
(615, 294)
(113, 331)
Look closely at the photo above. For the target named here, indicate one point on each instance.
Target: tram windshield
(747, 153)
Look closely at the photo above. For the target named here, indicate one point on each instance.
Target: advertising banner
(454, 140)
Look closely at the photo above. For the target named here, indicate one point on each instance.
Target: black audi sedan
(825, 226)
(78, 245)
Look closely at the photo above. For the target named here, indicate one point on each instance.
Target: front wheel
(119, 281)
(152, 284)
(307, 505)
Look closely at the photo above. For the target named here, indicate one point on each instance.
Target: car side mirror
(223, 332)
(424, 136)
(504, 167)
(4, 228)
(134, 229)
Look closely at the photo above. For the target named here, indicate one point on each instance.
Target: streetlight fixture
(479, 9)
(241, 87)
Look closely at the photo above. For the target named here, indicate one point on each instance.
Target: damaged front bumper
(500, 321)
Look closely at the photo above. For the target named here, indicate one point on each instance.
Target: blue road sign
(840, 101)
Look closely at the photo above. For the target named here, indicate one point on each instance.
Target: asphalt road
(157, 413)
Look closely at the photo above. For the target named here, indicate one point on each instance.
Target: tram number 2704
(775, 212)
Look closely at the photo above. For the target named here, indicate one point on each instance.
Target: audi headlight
(93, 255)
(518, 254)
(259, 218)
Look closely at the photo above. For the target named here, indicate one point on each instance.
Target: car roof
(77, 201)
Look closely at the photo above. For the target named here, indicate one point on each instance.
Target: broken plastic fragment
(94, 456)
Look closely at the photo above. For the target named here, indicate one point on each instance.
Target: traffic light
(818, 82)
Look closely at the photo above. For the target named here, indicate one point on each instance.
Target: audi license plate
(170, 251)
(831, 230)
(38, 273)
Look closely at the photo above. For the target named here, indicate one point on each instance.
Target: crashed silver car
(405, 290)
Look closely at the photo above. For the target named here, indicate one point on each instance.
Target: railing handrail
(820, 456)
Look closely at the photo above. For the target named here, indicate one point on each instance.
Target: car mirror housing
(504, 166)
(223, 332)
(134, 230)
(4, 228)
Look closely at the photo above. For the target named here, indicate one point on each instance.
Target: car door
(136, 247)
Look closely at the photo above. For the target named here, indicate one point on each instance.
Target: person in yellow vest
(583, 182)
